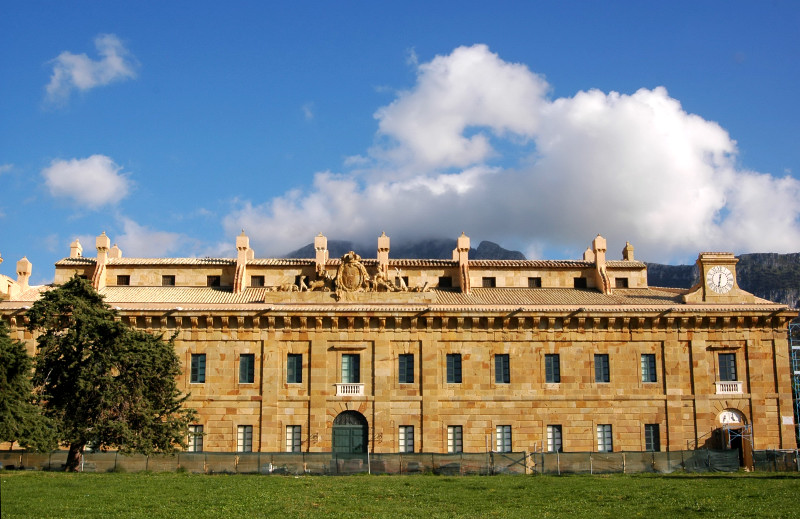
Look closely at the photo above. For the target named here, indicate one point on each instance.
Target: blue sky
(537, 125)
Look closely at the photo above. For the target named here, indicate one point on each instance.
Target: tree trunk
(74, 457)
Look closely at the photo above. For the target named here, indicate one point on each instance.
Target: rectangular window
(488, 282)
(445, 282)
(294, 368)
(351, 368)
(620, 282)
(213, 281)
(256, 281)
(502, 368)
(503, 438)
(123, 281)
(652, 438)
(454, 439)
(453, 368)
(406, 368)
(554, 438)
(579, 282)
(604, 440)
(601, 368)
(247, 368)
(195, 438)
(649, 367)
(168, 281)
(552, 368)
(727, 366)
(535, 282)
(293, 438)
(406, 438)
(198, 368)
(244, 438)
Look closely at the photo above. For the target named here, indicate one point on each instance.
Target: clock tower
(718, 280)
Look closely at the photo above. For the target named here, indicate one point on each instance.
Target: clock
(719, 279)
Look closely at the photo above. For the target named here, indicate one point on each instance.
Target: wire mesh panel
(636, 462)
(11, 460)
(607, 462)
(667, 462)
(775, 461)
(575, 462)
(416, 463)
(446, 464)
(723, 461)
(220, 463)
(509, 462)
(100, 462)
(44, 461)
(133, 463)
(248, 463)
(194, 462)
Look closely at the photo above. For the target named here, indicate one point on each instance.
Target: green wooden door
(350, 433)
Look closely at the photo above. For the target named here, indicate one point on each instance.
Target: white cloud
(632, 167)
(5, 168)
(92, 182)
(138, 241)
(79, 72)
(308, 111)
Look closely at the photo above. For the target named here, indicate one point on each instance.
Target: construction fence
(326, 463)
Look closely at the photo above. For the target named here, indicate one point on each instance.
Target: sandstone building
(429, 355)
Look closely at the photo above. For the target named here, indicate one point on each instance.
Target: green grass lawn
(48, 494)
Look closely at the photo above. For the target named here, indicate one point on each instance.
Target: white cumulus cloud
(91, 182)
(80, 72)
(477, 145)
(143, 242)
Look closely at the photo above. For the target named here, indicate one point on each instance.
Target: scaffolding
(794, 348)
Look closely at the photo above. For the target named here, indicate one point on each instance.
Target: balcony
(349, 389)
(729, 387)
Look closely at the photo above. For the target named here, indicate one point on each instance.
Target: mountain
(433, 249)
(769, 275)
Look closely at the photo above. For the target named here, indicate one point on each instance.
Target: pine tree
(21, 420)
(105, 384)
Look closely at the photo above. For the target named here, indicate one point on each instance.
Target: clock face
(719, 279)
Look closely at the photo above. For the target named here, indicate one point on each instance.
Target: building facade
(396, 355)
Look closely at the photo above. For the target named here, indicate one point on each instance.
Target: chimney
(461, 255)
(243, 250)
(321, 248)
(383, 254)
(99, 278)
(115, 252)
(24, 269)
(627, 252)
(601, 278)
(75, 249)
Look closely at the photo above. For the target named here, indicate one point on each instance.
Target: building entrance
(350, 431)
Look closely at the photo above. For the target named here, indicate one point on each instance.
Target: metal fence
(326, 463)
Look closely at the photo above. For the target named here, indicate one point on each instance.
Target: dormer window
(123, 281)
(167, 281)
(213, 281)
(620, 282)
(445, 282)
(488, 282)
(579, 282)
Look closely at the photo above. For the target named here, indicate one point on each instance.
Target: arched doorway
(350, 431)
(736, 434)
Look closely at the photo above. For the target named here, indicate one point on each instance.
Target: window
(554, 438)
(123, 281)
(604, 442)
(256, 281)
(247, 368)
(620, 282)
(535, 282)
(198, 368)
(195, 438)
(552, 368)
(601, 368)
(649, 367)
(406, 438)
(301, 282)
(579, 282)
(453, 368)
(727, 366)
(244, 438)
(502, 369)
(503, 438)
(488, 282)
(168, 281)
(213, 281)
(445, 282)
(294, 368)
(454, 439)
(652, 438)
(351, 368)
(406, 368)
(293, 438)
